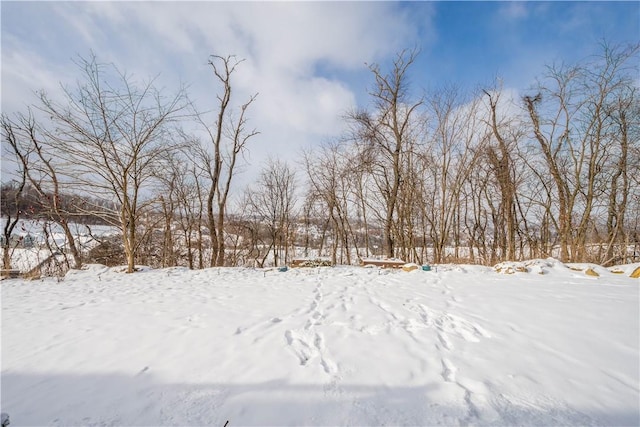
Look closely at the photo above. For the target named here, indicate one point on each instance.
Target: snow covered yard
(462, 345)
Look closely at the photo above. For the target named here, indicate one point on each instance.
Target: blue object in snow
(426, 268)
(282, 269)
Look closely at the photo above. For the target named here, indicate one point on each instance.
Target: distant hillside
(77, 208)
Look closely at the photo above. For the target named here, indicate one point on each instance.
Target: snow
(26, 258)
(458, 345)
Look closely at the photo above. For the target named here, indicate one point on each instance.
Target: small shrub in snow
(311, 262)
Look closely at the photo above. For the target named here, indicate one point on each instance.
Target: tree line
(479, 177)
(427, 176)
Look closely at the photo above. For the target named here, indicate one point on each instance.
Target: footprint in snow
(448, 370)
(301, 347)
(445, 341)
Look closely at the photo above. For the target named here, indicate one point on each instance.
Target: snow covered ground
(462, 345)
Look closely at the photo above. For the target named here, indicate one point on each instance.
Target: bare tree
(182, 180)
(450, 156)
(34, 155)
(11, 195)
(389, 130)
(228, 139)
(500, 158)
(171, 179)
(623, 110)
(570, 121)
(111, 132)
(272, 203)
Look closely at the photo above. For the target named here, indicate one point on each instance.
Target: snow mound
(552, 265)
(631, 270)
(537, 266)
(589, 269)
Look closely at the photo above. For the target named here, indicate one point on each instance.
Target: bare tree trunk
(564, 216)
(503, 170)
(11, 196)
(228, 139)
(617, 210)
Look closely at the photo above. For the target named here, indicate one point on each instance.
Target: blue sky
(476, 41)
(306, 59)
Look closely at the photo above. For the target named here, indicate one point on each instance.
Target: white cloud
(84, 25)
(23, 73)
(514, 10)
(284, 44)
(296, 55)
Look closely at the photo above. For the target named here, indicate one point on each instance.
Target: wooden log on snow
(9, 274)
(384, 263)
